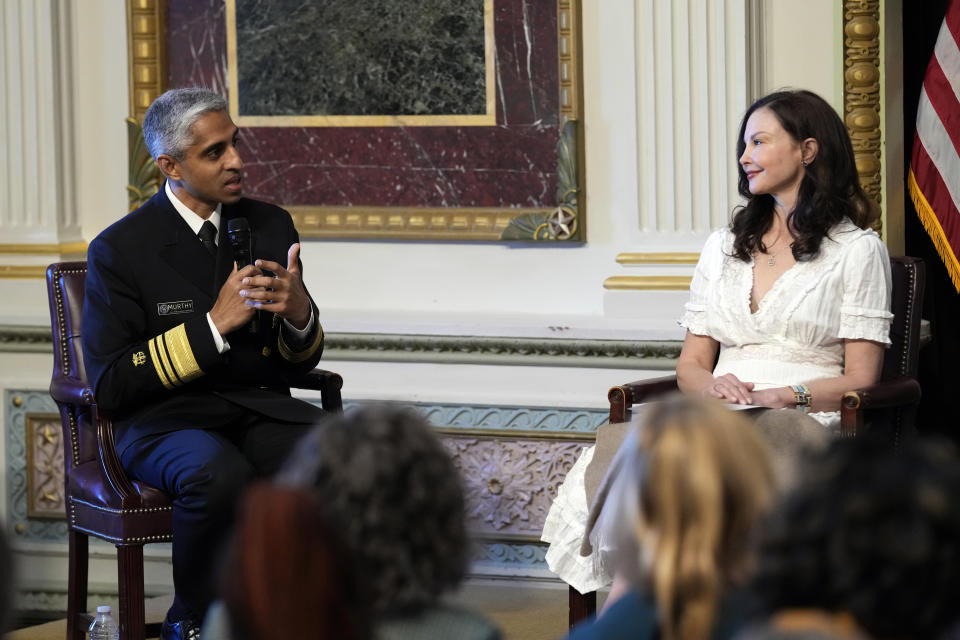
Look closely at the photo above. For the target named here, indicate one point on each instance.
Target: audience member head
(392, 493)
(873, 533)
(698, 482)
(167, 123)
(829, 188)
(287, 575)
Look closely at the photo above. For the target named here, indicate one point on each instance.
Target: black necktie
(207, 233)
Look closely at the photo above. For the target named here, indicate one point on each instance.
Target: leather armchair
(101, 500)
(888, 407)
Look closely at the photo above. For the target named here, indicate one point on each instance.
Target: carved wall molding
(862, 91)
(386, 347)
(493, 350)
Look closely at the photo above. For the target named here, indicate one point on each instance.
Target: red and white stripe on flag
(934, 178)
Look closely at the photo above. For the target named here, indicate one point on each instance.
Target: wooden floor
(525, 610)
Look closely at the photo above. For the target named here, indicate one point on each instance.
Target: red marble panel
(512, 164)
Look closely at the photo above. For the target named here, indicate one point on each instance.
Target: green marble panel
(360, 57)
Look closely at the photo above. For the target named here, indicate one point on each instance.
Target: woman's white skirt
(564, 529)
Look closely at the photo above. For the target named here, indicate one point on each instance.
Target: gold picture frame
(564, 222)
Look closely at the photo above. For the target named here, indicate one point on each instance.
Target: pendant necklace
(772, 257)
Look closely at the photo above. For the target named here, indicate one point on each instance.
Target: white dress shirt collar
(188, 215)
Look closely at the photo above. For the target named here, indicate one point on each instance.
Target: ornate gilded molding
(562, 222)
(146, 53)
(147, 79)
(647, 283)
(144, 177)
(673, 257)
(435, 223)
(861, 91)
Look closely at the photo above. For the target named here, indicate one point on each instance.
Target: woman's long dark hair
(829, 192)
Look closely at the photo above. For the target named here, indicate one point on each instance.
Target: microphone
(238, 230)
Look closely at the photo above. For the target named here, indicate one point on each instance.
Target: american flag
(934, 178)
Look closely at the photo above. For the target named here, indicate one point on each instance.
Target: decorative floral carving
(45, 489)
(509, 484)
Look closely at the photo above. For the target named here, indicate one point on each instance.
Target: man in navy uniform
(190, 356)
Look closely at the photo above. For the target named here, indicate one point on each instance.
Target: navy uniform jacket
(148, 349)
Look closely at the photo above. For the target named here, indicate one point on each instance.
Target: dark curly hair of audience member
(871, 532)
(287, 575)
(830, 189)
(391, 491)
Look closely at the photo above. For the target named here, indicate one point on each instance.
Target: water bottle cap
(104, 608)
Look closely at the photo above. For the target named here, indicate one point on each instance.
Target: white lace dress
(796, 335)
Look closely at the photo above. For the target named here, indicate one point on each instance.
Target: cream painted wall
(803, 47)
(101, 98)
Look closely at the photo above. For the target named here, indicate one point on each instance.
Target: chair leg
(582, 605)
(130, 574)
(76, 584)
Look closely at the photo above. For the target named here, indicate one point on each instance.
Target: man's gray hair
(167, 123)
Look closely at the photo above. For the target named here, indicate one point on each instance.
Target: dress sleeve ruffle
(865, 310)
(705, 276)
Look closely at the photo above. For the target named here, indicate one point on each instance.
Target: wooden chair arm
(327, 383)
(624, 396)
(110, 461)
(890, 393)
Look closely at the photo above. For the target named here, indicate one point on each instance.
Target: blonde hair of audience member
(702, 479)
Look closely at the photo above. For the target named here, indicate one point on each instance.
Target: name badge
(174, 308)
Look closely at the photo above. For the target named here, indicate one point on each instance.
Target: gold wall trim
(487, 119)
(22, 271)
(146, 53)
(437, 223)
(647, 283)
(34, 249)
(659, 258)
(861, 92)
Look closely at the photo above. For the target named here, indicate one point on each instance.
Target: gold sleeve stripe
(158, 365)
(299, 356)
(164, 360)
(167, 363)
(185, 365)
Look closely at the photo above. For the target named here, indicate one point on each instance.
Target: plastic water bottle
(104, 627)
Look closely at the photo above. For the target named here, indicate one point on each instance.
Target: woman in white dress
(791, 301)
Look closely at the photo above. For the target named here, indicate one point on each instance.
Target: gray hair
(167, 123)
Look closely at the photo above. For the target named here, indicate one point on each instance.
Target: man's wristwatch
(802, 394)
